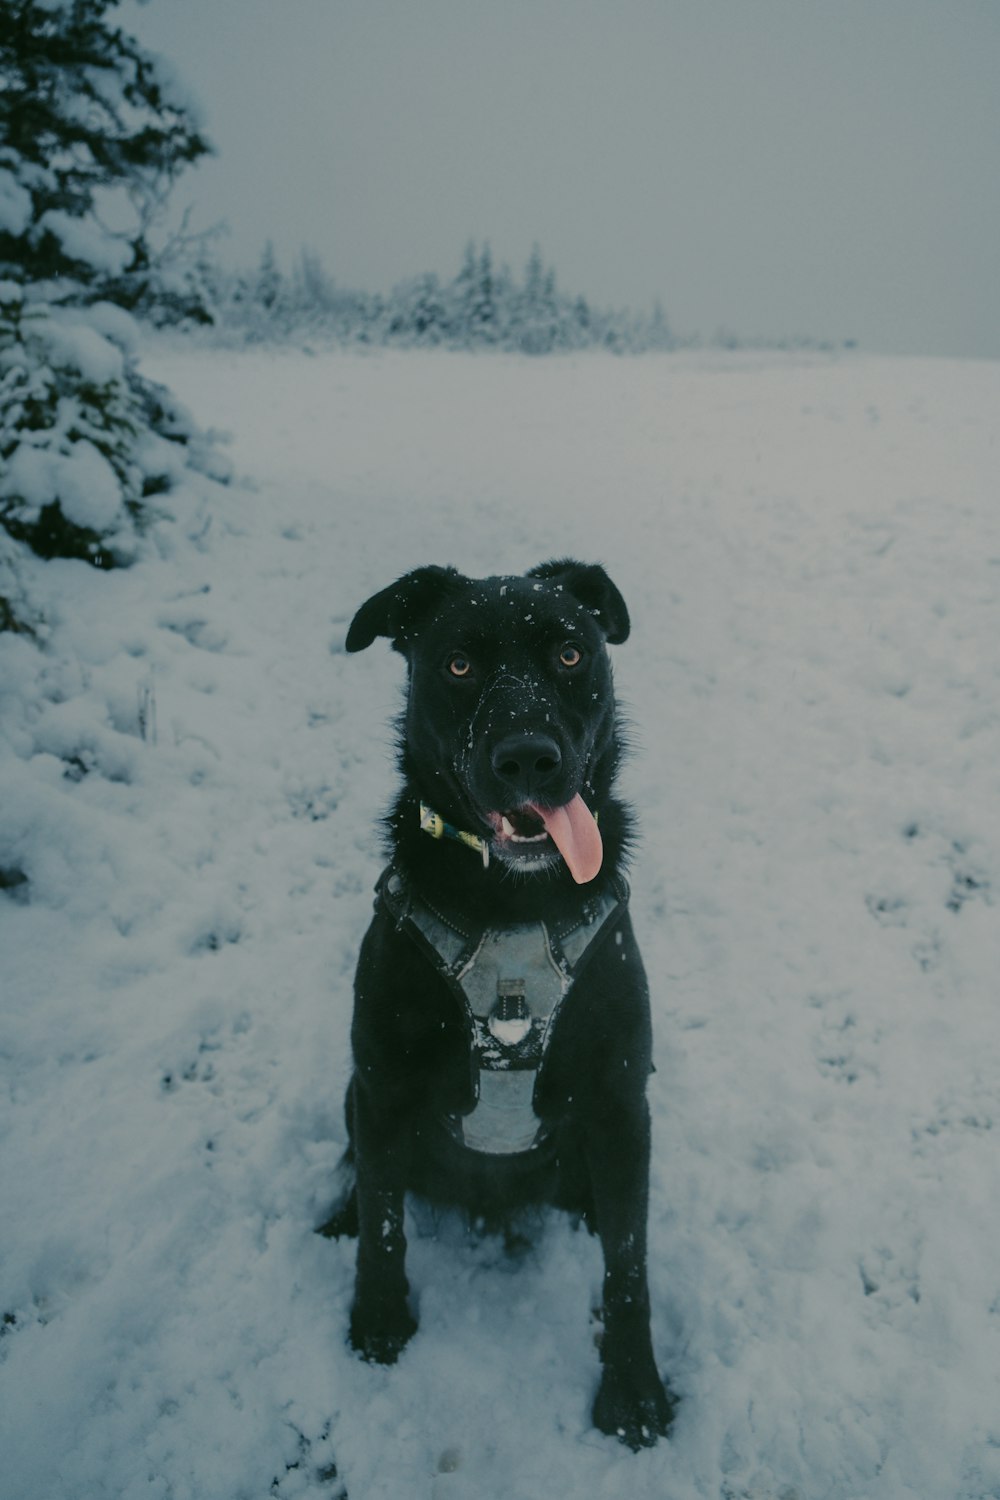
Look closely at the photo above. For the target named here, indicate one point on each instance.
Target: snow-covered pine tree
(462, 298)
(85, 112)
(483, 308)
(659, 334)
(270, 282)
(427, 315)
(538, 315)
(314, 295)
(415, 312)
(91, 127)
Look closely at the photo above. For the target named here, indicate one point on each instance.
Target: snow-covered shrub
(85, 439)
(69, 485)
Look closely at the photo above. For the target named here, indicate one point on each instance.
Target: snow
(15, 205)
(112, 323)
(176, 90)
(30, 475)
(88, 488)
(82, 481)
(87, 341)
(85, 241)
(192, 775)
(74, 342)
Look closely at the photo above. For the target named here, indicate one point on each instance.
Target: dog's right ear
(398, 610)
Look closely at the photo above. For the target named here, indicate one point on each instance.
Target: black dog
(501, 1029)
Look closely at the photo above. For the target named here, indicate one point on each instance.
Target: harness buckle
(509, 1021)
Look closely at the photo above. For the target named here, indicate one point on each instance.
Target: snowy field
(810, 548)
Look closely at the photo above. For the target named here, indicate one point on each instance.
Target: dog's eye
(459, 665)
(571, 656)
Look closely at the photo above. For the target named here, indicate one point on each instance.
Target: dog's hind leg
(343, 1216)
(343, 1219)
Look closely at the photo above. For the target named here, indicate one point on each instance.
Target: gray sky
(774, 166)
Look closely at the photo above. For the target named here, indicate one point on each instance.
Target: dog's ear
(590, 586)
(397, 610)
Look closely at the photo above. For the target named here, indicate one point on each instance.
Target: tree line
(483, 306)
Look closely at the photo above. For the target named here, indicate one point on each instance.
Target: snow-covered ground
(810, 549)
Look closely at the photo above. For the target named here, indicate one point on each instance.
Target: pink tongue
(575, 834)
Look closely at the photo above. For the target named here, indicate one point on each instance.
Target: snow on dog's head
(509, 729)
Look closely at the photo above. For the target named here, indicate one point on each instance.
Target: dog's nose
(527, 762)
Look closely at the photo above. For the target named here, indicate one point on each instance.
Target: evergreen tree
(483, 309)
(534, 276)
(416, 312)
(660, 334)
(315, 294)
(269, 279)
(538, 313)
(84, 439)
(83, 110)
(463, 298)
(428, 316)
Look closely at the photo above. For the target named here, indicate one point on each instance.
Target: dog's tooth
(507, 827)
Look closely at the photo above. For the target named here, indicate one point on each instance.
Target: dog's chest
(510, 981)
(513, 987)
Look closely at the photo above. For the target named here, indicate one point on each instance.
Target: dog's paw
(380, 1339)
(635, 1409)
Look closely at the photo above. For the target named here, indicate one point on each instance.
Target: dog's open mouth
(522, 825)
(532, 832)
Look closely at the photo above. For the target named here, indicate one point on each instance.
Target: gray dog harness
(510, 982)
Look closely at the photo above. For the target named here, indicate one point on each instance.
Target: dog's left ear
(396, 611)
(590, 586)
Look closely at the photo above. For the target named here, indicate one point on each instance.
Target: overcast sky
(772, 166)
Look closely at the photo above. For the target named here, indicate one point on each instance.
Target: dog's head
(509, 729)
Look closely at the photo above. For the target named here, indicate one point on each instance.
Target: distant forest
(484, 306)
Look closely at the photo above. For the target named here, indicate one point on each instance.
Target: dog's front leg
(381, 1322)
(631, 1403)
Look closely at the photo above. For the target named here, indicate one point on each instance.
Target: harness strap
(510, 982)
